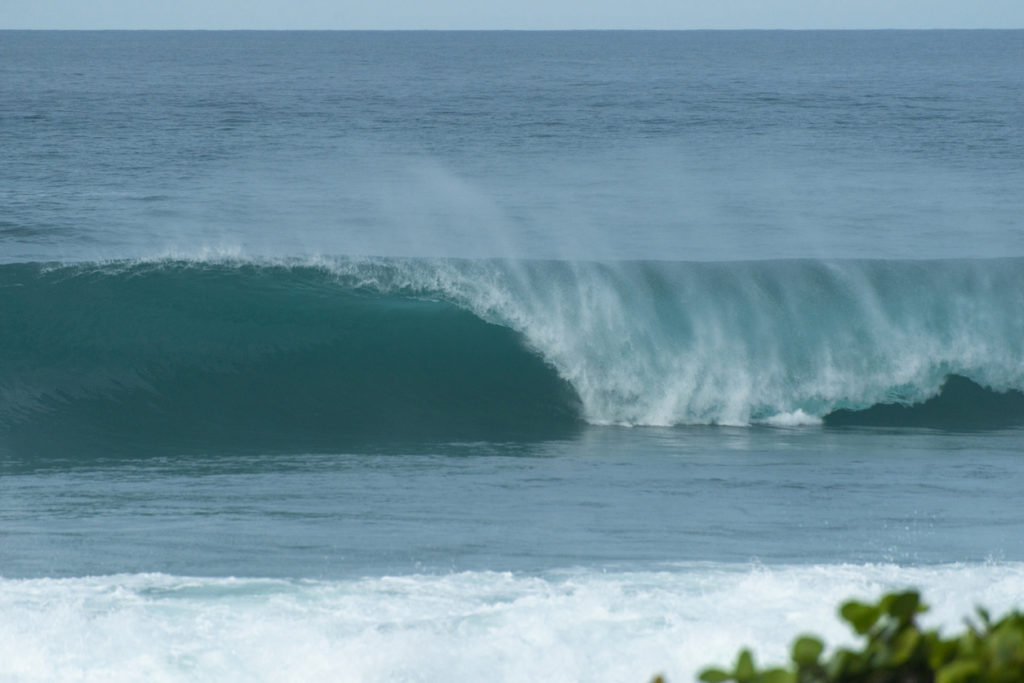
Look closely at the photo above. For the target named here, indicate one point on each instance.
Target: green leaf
(940, 651)
(894, 649)
(776, 676)
(968, 644)
(957, 672)
(714, 676)
(840, 665)
(1006, 645)
(744, 667)
(903, 606)
(903, 645)
(862, 617)
(806, 650)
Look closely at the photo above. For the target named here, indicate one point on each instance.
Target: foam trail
(564, 626)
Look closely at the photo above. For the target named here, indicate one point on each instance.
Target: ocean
(568, 356)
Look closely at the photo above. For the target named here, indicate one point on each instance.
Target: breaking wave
(310, 353)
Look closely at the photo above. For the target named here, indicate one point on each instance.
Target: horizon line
(513, 30)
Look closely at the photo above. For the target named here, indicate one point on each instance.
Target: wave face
(192, 355)
(313, 352)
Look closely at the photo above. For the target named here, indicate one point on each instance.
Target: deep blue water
(378, 356)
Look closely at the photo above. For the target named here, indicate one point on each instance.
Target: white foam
(797, 418)
(580, 625)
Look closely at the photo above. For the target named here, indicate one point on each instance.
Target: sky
(509, 14)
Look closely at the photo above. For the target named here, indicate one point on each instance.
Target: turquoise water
(571, 356)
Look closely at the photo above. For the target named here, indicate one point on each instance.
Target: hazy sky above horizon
(509, 14)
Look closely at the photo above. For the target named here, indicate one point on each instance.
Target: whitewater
(577, 356)
(569, 625)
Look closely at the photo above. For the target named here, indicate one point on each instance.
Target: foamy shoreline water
(567, 625)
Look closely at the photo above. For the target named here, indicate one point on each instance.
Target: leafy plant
(896, 650)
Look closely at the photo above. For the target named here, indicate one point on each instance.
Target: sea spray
(662, 343)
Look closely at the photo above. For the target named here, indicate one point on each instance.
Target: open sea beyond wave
(519, 356)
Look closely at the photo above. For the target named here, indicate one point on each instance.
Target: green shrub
(896, 650)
